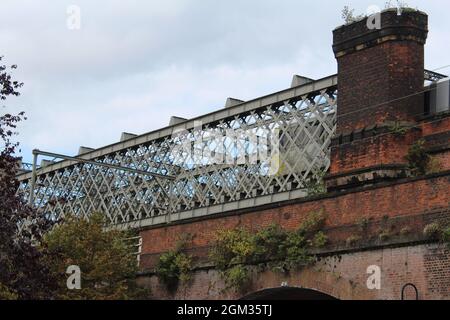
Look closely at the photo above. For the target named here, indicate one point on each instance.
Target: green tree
(22, 274)
(105, 257)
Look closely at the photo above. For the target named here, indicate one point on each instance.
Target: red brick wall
(371, 77)
(366, 152)
(370, 149)
(341, 276)
(395, 200)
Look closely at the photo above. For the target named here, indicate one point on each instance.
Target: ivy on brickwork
(174, 267)
(235, 251)
(420, 162)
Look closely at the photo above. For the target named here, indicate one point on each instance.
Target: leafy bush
(297, 252)
(432, 231)
(105, 258)
(237, 276)
(320, 240)
(232, 247)
(282, 250)
(348, 15)
(446, 235)
(175, 266)
(7, 294)
(315, 184)
(313, 223)
(270, 243)
(418, 159)
(23, 274)
(398, 129)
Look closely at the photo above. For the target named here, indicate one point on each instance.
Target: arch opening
(289, 293)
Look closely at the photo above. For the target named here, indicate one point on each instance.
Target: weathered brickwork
(412, 200)
(372, 149)
(380, 93)
(341, 276)
(379, 69)
(370, 82)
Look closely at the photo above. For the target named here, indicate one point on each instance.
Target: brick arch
(317, 279)
(288, 293)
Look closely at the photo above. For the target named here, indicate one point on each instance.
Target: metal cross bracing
(433, 76)
(264, 150)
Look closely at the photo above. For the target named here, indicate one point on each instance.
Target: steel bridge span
(252, 153)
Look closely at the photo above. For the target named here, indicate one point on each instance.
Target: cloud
(134, 64)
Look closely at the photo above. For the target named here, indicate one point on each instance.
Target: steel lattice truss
(248, 152)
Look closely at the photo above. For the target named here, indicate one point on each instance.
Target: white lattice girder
(219, 162)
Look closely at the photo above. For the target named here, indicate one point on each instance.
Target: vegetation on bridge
(235, 251)
(273, 247)
(419, 160)
(174, 266)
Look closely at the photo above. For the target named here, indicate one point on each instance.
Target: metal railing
(253, 153)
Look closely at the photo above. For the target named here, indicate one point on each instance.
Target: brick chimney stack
(380, 65)
(380, 72)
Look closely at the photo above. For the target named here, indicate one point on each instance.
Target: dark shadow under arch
(288, 293)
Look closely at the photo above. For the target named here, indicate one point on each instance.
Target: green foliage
(22, 273)
(320, 240)
(175, 266)
(315, 185)
(348, 15)
(297, 252)
(446, 235)
(432, 231)
(105, 258)
(232, 247)
(398, 129)
(237, 276)
(419, 160)
(281, 250)
(314, 222)
(7, 294)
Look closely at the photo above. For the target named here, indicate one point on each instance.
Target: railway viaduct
(380, 81)
(372, 140)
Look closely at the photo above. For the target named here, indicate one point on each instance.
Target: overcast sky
(134, 63)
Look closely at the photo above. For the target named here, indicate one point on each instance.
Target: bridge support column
(381, 83)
